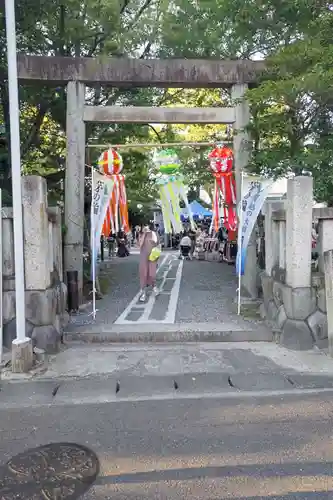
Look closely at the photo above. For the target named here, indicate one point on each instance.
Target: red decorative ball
(110, 162)
(221, 160)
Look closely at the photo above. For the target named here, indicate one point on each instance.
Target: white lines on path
(152, 298)
(147, 308)
(170, 316)
(121, 320)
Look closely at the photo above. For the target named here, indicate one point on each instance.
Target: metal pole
(16, 170)
(93, 244)
(240, 245)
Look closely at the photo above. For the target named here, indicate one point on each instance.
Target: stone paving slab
(259, 381)
(192, 383)
(311, 381)
(160, 360)
(27, 394)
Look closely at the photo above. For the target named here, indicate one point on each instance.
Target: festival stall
(199, 212)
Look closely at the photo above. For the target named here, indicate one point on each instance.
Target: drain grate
(57, 470)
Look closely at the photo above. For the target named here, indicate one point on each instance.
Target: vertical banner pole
(239, 250)
(93, 244)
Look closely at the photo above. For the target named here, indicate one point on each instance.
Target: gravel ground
(207, 293)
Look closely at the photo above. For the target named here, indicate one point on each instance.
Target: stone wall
(294, 296)
(298, 316)
(46, 293)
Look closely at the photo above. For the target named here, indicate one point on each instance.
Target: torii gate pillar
(74, 181)
(241, 155)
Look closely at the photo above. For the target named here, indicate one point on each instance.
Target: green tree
(291, 108)
(97, 28)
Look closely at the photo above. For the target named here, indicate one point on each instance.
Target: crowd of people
(195, 243)
(190, 243)
(118, 244)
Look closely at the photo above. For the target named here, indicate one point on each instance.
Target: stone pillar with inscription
(41, 294)
(299, 298)
(74, 181)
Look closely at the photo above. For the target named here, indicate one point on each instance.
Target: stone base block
(22, 356)
(8, 306)
(9, 332)
(296, 335)
(299, 303)
(271, 310)
(47, 338)
(41, 306)
(318, 325)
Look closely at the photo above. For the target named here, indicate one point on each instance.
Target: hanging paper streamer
(111, 163)
(172, 190)
(221, 163)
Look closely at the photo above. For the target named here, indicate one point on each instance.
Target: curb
(172, 337)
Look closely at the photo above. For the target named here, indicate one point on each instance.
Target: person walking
(193, 236)
(112, 244)
(121, 241)
(147, 267)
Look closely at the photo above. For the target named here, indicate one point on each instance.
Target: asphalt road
(242, 447)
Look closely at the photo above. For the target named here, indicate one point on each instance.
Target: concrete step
(241, 331)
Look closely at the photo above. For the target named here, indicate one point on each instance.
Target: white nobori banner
(102, 187)
(101, 192)
(252, 201)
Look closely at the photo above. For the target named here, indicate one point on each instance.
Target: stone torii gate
(76, 73)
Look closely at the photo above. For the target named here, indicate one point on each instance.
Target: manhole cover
(57, 471)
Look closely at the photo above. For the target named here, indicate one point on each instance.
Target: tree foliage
(291, 106)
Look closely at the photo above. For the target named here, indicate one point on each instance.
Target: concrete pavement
(79, 359)
(203, 449)
(188, 422)
(105, 373)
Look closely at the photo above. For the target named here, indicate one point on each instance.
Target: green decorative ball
(167, 161)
